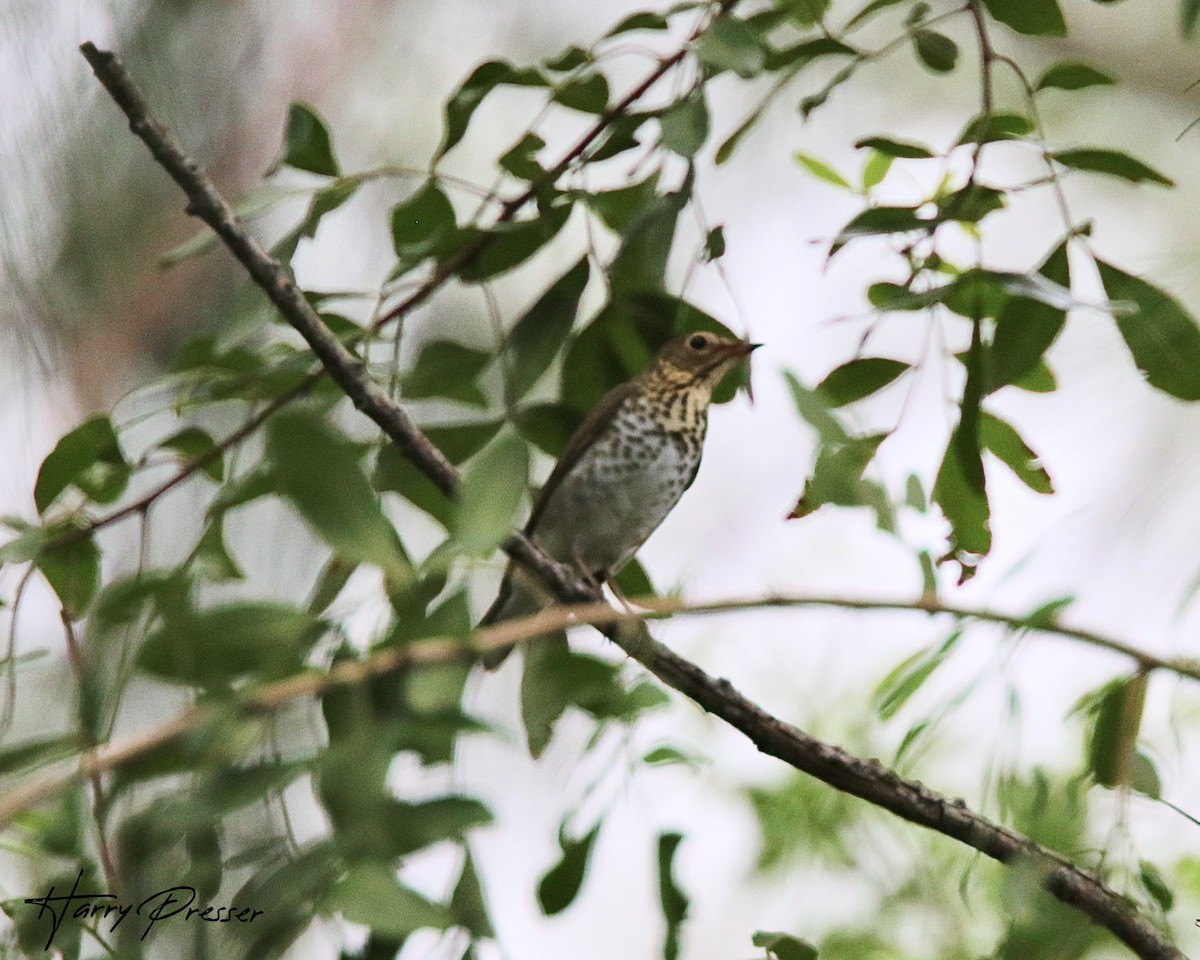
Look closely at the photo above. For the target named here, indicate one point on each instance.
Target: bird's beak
(742, 348)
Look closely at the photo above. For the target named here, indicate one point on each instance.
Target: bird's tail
(516, 599)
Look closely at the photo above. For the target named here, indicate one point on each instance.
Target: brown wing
(593, 423)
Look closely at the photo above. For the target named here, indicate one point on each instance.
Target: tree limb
(865, 779)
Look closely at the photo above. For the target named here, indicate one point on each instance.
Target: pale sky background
(1119, 534)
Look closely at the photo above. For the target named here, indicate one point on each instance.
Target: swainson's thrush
(622, 471)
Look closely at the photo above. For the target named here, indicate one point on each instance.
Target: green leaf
(520, 160)
(73, 570)
(1043, 18)
(570, 59)
(805, 13)
(538, 337)
(1112, 162)
(729, 44)
(1143, 776)
(880, 220)
(89, 458)
(837, 478)
(867, 12)
(621, 207)
(970, 204)
(1118, 719)
(467, 903)
(898, 687)
(783, 946)
(639, 21)
(1160, 334)
(423, 225)
(29, 755)
(901, 149)
(1189, 13)
(485, 78)
(684, 124)
(960, 492)
(1154, 884)
(1002, 439)
(490, 494)
(560, 885)
(461, 441)
(556, 678)
(193, 445)
(937, 51)
(1072, 76)
(821, 170)
(1025, 327)
(371, 894)
(585, 94)
(641, 261)
(875, 169)
(989, 128)
(447, 369)
(548, 426)
(510, 244)
(859, 378)
(318, 470)
(211, 559)
(306, 142)
(714, 244)
(674, 901)
(212, 647)
(1038, 380)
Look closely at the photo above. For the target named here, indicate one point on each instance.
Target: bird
(621, 472)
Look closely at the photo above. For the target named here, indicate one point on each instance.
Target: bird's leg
(618, 592)
(594, 578)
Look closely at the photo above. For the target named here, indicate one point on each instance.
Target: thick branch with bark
(862, 778)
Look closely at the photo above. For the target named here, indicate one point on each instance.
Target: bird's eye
(698, 342)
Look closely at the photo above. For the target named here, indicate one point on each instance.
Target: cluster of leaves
(189, 807)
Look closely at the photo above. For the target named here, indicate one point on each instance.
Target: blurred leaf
(490, 494)
(306, 142)
(728, 44)
(821, 170)
(619, 136)
(633, 581)
(1046, 615)
(211, 559)
(1160, 334)
(585, 94)
(319, 471)
(960, 492)
(73, 571)
(258, 201)
(1038, 380)
(1189, 12)
(29, 755)
(1002, 439)
(485, 78)
(674, 901)
(664, 756)
(423, 225)
(510, 244)
(90, 458)
(548, 426)
(461, 441)
(639, 21)
(1113, 162)
(895, 148)
(1143, 776)
(783, 946)
(212, 647)
(898, 687)
(447, 369)
(397, 473)
(641, 261)
(560, 885)
(937, 51)
(1072, 76)
(859, 378)
(876, 169)
(621, 207)
(815, 411)
(714, 244)
(520, 160)
(538, 337)
(970, 204)
(800, 55)
(880, 220)
(684, 124)
(868, 11)
(1026, 328)
(330, 582)
(1118, 720)
(371, 894)
(570, 59)
(467, 904)
(1154, 884)
(556, 678)
(990, 127)
(837, 479)
(1043, 18)
(193, 444)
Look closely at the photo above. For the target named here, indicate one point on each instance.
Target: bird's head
(699, 360)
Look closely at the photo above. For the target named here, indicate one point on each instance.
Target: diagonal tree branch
(865, 779)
